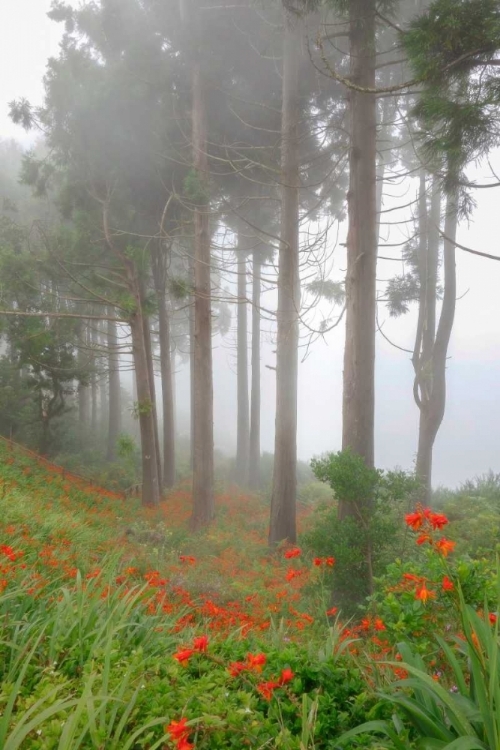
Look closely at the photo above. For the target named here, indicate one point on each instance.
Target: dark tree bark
(359, 354)
(160, 280)
(203, 458)
(243, 416)
(115, 409)
(283, 499)
(254, 465)
(430, 376)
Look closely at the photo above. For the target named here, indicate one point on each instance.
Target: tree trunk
(203, 458)
(150, 483)
(159, 274)
(361, 281)
(93, 383)
(152, 386)
(243, 417)
(83, 389)
(254, 466)
(103, 385)
(431, 383)
(359, 353)
(283, 499)
(115, 411)
(191, 374)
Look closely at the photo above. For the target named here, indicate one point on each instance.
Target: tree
(283, 499)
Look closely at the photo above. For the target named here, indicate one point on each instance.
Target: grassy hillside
(119, 631)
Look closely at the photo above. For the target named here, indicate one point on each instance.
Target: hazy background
(469, 440)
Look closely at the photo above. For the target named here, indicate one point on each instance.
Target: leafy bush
(362, 544)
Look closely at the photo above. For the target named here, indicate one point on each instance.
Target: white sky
(469, 440)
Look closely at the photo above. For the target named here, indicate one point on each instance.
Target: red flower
(286, 676)
(179, 733)
(330, 561)
(293, 573)
(266, 689)
(424, 594)
(177, 729)
(318, 561)
(294, 552)
(445, 546)
(187, 559)
(333, 611)
(447, 585)
(414, 520)
(492, 618)
(200, 643)
(423, 538)
(378, 624)
(184, 655)
(438, 520)
(236, 667)
(256, 661)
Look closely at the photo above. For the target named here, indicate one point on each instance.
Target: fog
(468, 443)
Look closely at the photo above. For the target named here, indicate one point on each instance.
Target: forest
(252, 177)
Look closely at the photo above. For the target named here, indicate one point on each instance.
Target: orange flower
(266, 689)
(256, 662)
(423, 538)
(378, 624)
(187, 559)
(184, 655)
(438, 520)
(333, 611)
(294, 552)
(200, 643)
(492, 618)
(286, 676)
(177, 729)
(318, 561)
(447, 585)
(423, 593)
(414, 520)
(445, 546)
(236, 667)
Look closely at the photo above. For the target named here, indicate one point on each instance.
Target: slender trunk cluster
(431, 346)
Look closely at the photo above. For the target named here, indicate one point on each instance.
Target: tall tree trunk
(203, 459)
(430, 380)
(254, 466)
(151, 377)
(83, 388)
(160, 279)
(359, 354)
(362, 245)
(103, 385)
(93, 382)
(283, 499)
(150, 483)
(243, 417)
(191, 374)
(115, 410)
